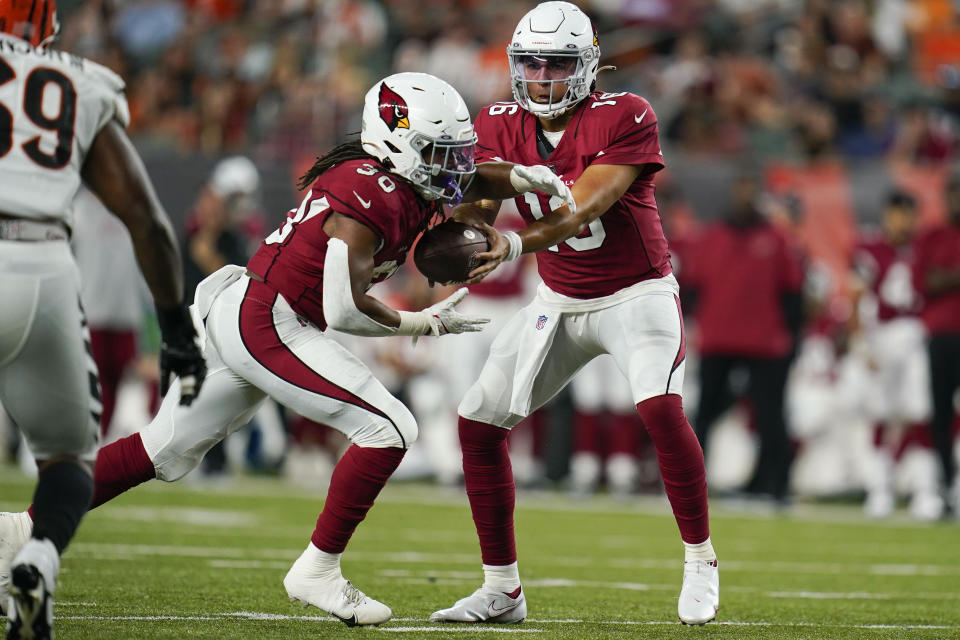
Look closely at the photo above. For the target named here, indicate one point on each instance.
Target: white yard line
(426, 627)
(449, 629)
(103, 550)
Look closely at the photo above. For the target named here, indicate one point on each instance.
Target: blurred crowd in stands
(797, 123)
(769, 78)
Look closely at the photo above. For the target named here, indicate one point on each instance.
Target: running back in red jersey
(626, 244)
(291, 258)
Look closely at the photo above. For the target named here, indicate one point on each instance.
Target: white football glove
(440, 319)
(539, 178)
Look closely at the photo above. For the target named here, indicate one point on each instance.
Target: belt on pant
(25, 230)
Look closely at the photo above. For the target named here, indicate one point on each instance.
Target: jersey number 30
(61, 123)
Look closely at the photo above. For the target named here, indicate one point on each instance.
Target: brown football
(445, 253)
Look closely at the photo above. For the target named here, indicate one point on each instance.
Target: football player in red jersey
(265, 324)
(893, 344)
(607, 288)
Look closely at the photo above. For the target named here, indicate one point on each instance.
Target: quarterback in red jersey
(608, 288)
(265, 324)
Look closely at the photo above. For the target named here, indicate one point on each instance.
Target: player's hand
(539, 178)
(179, 354)
(487, 261)
(445, 319)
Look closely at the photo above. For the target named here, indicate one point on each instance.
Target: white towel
(207, 291)
(545, 322)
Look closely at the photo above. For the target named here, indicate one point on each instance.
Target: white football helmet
(553, 43)
(419, 126)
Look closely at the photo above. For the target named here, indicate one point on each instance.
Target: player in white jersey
(61, 121)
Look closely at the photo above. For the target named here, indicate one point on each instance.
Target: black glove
(179, 354)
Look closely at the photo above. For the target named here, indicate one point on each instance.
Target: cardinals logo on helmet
(393, 109)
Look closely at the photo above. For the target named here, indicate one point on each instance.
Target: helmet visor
(545, 68)
(450, 165)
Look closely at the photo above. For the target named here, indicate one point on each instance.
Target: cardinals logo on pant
(393, 108)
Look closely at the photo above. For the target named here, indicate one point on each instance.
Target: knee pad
(397, 430)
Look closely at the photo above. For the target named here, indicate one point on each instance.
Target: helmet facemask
(547, 69)
(447, 167)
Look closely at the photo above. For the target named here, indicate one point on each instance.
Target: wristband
(413, 323)
(175, 321)
(516, 245)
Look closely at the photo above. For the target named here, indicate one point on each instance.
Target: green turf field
(194, 561)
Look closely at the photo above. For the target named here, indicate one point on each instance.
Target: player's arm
(502, 180)
(595, 191)
(479, 213)
(347, 273)
(113, 170)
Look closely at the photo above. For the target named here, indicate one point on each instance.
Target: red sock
(681, 464)
(625, 434)
(357, 480)
(586, 433)
(120, 465)
(490, 488)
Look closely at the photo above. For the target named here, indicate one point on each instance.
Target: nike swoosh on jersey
(365, 203)
(638, 119)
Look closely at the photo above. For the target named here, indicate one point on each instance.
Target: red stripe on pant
(260, 337)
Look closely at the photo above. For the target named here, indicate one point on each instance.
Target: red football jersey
(887, 269)
(626, 244)
(740, 275)
(291, 258)
(938, 249)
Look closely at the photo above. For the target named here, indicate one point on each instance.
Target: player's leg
(586, 391)
(113, 351)
(646, 338)
(767, 390)
(48, 384)
(944, 380)
(622, 466)
(715, 396)
(312, 374)
(533, 357)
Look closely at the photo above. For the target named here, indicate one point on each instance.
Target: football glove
(539, 178)
(440, 319)
(180, 354)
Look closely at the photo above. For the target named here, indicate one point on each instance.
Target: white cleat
(33, 576)
(879, 504)
(15, 530)
(926, 506)
(336, 596)
(486, 605)
(700, 594)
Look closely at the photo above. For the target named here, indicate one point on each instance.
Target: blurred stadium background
(830, 103)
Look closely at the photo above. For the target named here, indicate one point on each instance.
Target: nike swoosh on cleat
(638, 119)
(350, 622)
(498, 612)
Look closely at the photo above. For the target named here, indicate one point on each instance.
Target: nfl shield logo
(541, 322)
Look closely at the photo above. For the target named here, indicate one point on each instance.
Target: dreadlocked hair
(352, 149)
